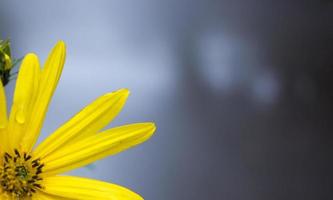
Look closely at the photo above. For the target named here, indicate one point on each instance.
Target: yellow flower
(32, 173)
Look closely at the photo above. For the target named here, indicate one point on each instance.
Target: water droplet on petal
(20, 116)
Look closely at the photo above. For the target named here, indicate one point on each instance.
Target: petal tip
(121, 92)
(152, 127)
(61, 43)
(124, 91)
(30, 57)
(61, 47)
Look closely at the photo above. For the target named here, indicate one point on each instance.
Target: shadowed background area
(241, 91)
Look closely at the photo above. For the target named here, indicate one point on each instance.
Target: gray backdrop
(241, 91)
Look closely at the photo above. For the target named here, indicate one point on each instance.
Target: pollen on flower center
(20, 174)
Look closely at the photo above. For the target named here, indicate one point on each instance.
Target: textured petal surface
(49, 78)
(40, 195)
(25, 94)
(96, 147)
(86, 189)
(87, 122)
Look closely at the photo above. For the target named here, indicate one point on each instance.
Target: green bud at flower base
(6, 62)
(5, 55)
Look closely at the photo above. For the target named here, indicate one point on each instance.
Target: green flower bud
(6, 61)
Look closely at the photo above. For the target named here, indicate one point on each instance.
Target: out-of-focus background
(241, 91)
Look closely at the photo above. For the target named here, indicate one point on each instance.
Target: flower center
(20, 174)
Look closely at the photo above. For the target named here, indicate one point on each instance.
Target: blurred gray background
(241, 91)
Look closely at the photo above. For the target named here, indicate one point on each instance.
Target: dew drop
(20, 116)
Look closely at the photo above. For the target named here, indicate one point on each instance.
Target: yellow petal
(87, 122)
(3, 118)
(97, 147)
(40, 195)
(3, 107)
(49, 80)
(86, 189)
(25, 94)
